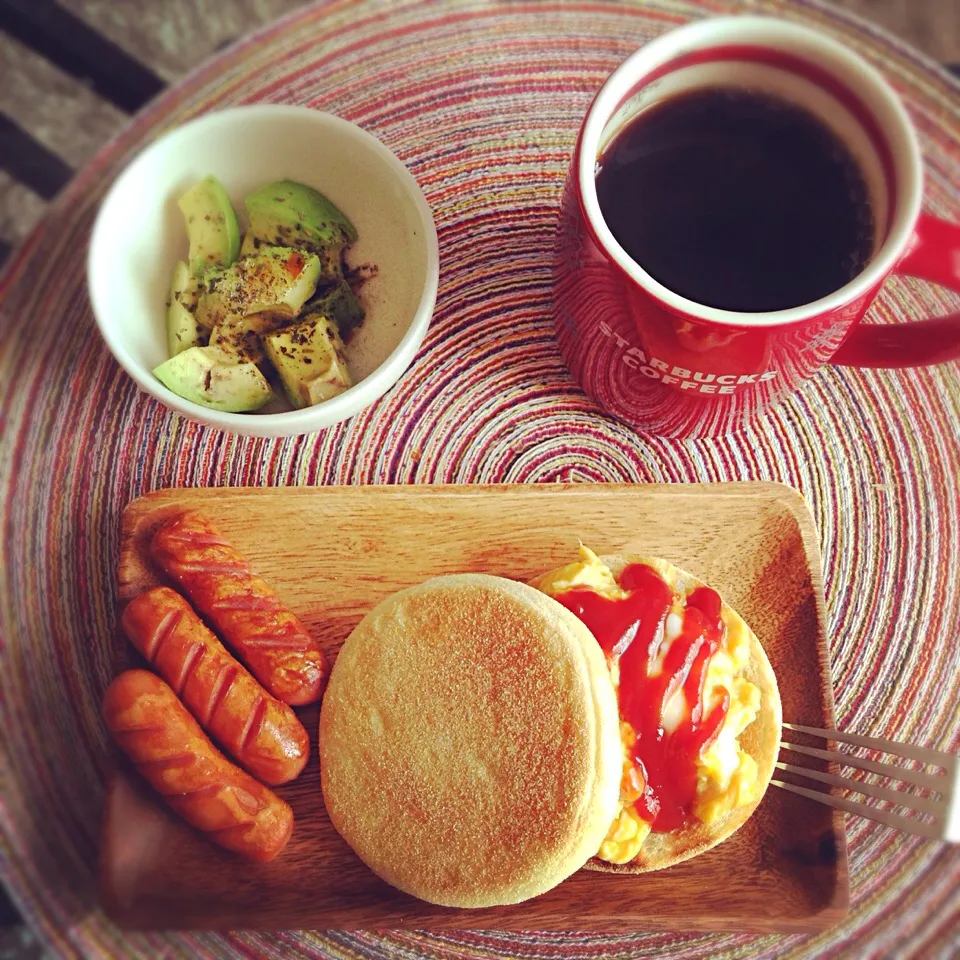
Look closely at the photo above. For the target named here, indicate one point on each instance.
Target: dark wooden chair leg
(76, 48)
(30, 162)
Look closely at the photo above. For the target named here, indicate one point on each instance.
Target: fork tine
(925, 754)
(917, 827)
(930, 780)
(899, 797)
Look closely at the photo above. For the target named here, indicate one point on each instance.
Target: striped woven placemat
(482, 101)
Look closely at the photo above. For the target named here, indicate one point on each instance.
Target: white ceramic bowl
(139, 234)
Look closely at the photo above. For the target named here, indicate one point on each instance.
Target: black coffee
(737, 200)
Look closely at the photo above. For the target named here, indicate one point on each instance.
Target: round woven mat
(481, 100)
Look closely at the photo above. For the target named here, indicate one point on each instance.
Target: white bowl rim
(339, 407)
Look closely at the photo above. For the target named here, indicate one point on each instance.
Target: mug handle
(933, 254)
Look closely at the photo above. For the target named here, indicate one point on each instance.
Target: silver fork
(941, 817)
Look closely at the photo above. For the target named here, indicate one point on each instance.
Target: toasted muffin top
(469, 741)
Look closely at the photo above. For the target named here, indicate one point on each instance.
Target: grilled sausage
(172, 753)
(242, 608)
(262, 734)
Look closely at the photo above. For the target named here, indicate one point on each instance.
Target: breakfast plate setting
(419, 539)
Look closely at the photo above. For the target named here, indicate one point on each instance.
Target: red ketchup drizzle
(633, 628)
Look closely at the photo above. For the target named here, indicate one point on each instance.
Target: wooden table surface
(68, 118)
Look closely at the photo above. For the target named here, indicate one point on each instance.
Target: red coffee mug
(673, 367)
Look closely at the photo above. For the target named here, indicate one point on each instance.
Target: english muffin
(470, 749)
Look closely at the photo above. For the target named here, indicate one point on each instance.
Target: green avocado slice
(340, 303)
(276, 281)
(243, 343)
(183, 328)
(212, 227)
(290, 214)
(309, 358)
(211, 377)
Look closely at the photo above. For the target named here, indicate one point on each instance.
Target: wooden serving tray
(333, 552)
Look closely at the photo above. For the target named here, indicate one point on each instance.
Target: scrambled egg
(587, 573)
(726, 775)
(628, 830)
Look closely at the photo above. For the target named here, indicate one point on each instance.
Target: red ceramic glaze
(670, 366)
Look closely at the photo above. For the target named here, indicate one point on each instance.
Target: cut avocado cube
(276, 281)
(211, 226)
(185, 285)
(309, 358)
(243, 344)
(183, 328)
(211, 377)
(331, 261)
(340, 303)
(290, 214)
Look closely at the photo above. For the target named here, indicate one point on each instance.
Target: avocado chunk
(340, 303)
(310, 360)
(183, 328)
(240, 342)
(211, 377)
(331, 260)
(276, 281)
(290, 214)
(211, 226)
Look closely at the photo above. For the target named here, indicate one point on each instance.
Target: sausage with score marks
(262, 734)
(156, 731)
(242, 607)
